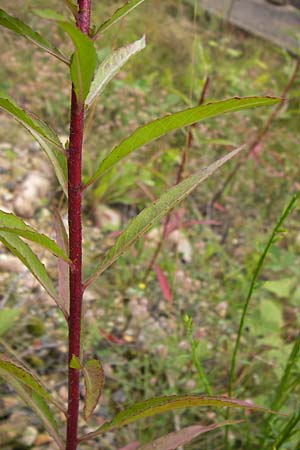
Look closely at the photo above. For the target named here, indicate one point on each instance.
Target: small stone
(29, 436)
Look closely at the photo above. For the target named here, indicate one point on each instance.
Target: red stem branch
(75, 242)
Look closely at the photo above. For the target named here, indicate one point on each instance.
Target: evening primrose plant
(88, 78)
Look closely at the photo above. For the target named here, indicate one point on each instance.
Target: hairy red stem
(75, 242)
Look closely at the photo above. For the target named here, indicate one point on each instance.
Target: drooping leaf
(42, 134)
(23, 376)
(160, 405)
(94, 382)
(30, 122)
(62, 267)
(32, 262)
(118, 15)
(19, 27)
(173, 440)
(144, 221)
(37, 404)
(8, 317)
(110, 66)
(13, 224)
(83, 61)
(160, 127)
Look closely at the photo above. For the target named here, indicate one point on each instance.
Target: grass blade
(159, 127)
(256, 273)
(144, 221)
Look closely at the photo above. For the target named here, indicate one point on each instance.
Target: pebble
(30, 193)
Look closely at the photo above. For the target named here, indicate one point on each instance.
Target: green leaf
(43, 135)
(36, 403)
(8, 317)
(13, 224)
(25, 377)
(184, 436)
(30, 122)
(160, 405)
(19, 27)
(144, 221)
(83, 61)
(49, 14)
(94, 382)
(160, 127)
(110, 66)
(32, 262)
(282, 288)
(75, 363)
(118, 15)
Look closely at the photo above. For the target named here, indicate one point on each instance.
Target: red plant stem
(75, 242)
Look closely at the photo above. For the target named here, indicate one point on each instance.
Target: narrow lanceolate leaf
(174, 440)
(144, 221)
(19, 27)
(13, 224)
(110, 66)
(83, 61)
(160, 127)
(30, 122)
(94, 382)
(119, 14)
(46, 137)
(37, 404)
(32, 262)
(25, 377)
(160, 405)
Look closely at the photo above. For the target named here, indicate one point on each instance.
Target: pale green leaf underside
(94, 382)
(110, 66)
(29, 259)
(36, 403)
(43, 135)
(173, 440)
(83, 62)
(160, 405)
(144, 221)
(119, 14)
(19, 27)
(160, 127)
(13, 224)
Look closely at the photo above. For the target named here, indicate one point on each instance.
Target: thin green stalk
(277, 229)
(188, 324)
(287, 431)
(282, 389)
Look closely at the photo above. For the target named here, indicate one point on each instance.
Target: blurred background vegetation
(134, 325)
